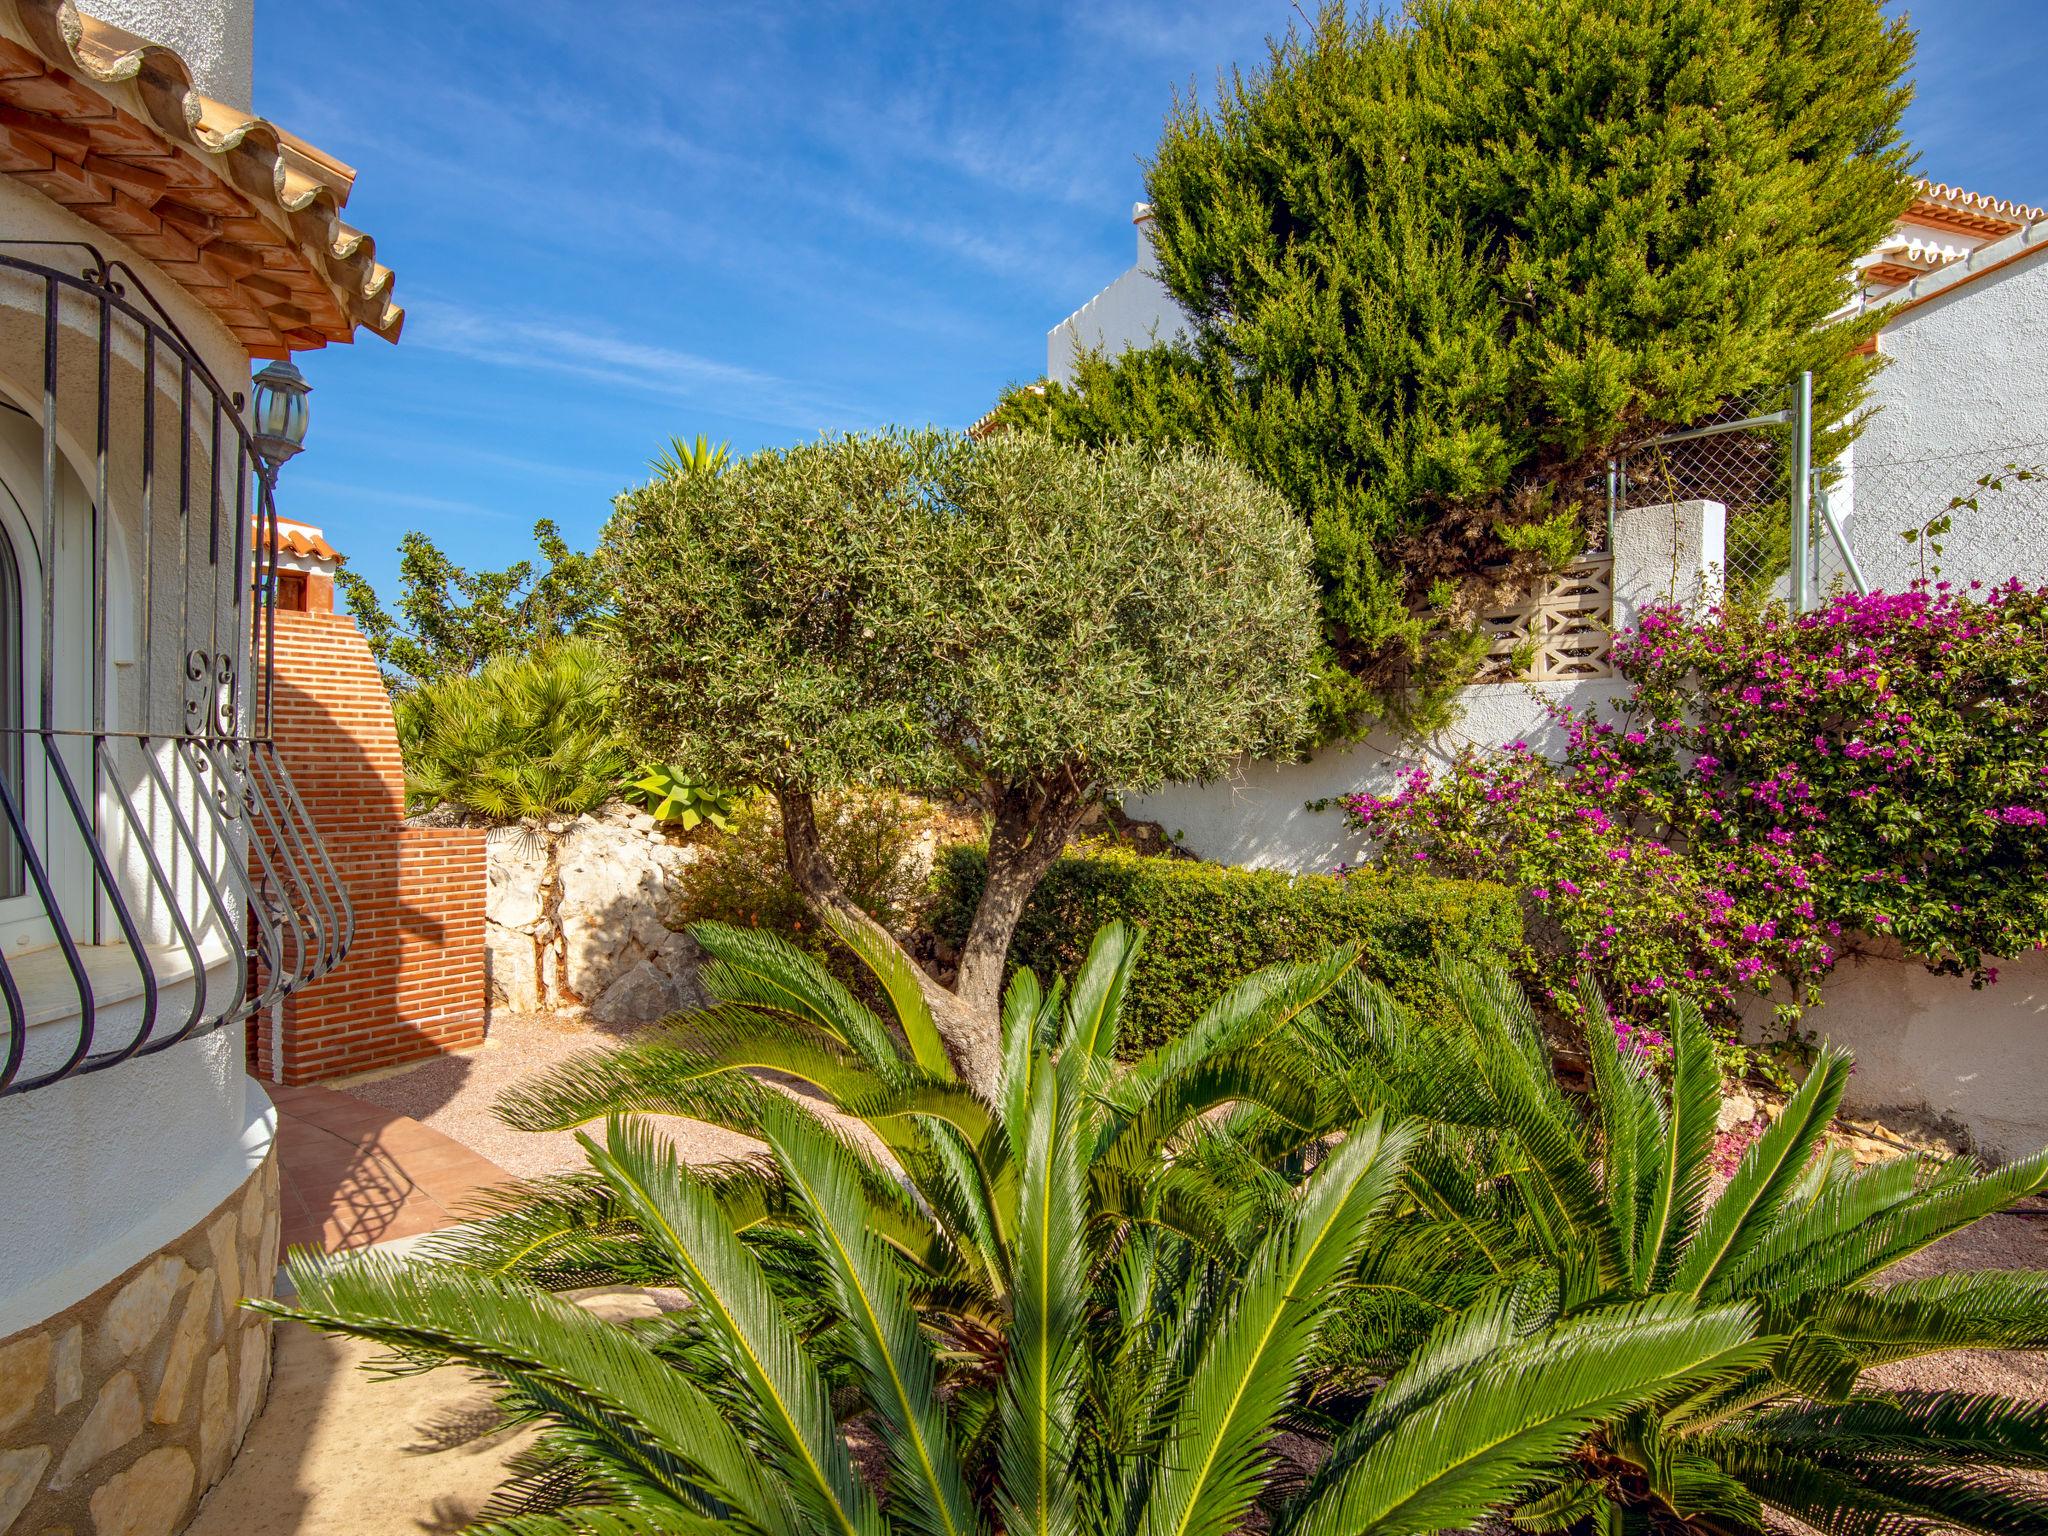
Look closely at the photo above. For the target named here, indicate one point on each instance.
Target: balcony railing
(159, 876)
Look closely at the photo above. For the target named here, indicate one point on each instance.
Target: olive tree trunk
(1031, 824)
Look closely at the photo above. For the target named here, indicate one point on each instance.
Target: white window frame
(24, 924)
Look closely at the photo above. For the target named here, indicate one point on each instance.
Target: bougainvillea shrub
(1772, 784)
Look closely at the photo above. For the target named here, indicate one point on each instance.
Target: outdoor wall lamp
(279, 413)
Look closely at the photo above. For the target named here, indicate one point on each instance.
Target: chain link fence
(1971, 515)
(1877, 520)
(1741, 456)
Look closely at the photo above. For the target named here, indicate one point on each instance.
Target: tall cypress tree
(1439, 268)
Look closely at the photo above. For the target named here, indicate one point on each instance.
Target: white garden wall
(1259, 815)
(1978, 1058)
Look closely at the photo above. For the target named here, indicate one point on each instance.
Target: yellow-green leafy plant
(670, 796)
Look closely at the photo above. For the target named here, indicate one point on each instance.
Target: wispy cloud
(585, 350)
(361, 497)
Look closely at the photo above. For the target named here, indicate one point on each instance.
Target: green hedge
(1208, 925)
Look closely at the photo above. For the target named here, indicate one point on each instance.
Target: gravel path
(2008, 1241)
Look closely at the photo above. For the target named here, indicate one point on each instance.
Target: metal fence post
(1802, 493)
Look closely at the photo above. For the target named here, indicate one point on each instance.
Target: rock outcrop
(574, 918)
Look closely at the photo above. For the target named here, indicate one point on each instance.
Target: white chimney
(216, 38)
(1141, 216)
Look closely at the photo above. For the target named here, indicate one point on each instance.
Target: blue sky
(613, 223)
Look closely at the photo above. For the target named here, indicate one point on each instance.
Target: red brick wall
(413, 984)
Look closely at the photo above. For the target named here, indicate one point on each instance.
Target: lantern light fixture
(279, 412)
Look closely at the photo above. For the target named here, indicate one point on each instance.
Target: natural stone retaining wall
(119, 1413)
(573, 916)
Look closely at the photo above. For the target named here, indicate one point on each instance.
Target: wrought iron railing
(159, 876)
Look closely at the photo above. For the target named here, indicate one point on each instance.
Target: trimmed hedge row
(1207, 925)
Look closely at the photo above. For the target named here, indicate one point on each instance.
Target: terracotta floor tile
(352, 1117)
(354, 1174)
(403, 1136)
(411, 1221)
(429, 1163)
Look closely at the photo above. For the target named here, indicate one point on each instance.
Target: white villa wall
(216, 38)
(1259, 814)
(1134, 311)
(1965, 385)
(99, 1171)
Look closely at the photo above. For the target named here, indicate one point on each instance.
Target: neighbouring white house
(1963, 289)
(161, 888)
(1134, 311)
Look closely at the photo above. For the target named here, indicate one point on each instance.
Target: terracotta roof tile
(1940, 195)
(109, 124)
(298, 539)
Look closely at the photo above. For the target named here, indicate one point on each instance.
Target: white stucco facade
(1964, 392)
(216, 38)
(1134, 311)
(1977, 1057)
(99, 1170)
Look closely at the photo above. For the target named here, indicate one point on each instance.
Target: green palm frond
(1978, 1309)
(758, 970)
(891, 967)
(1632, 1136)
(1095, 1003)
(527, 735)
(1563, 1191)
(658, 1075)
(730, 1292)
(661, 1432)
(1218, 1451)
(741, 1039)
(894, 1357)
(554, 1233)
(1738, 1220)
(1820, 1213)
(1514, 1410)
(649, 1518)
(1879, 1498)
(1681, 1169)
(1952, 1197)
(1050, 1265)
(1928, 1427)
(1027, 1013)
(1248, 1013)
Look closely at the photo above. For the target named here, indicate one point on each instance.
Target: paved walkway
(337, 1450)
(354, 1174)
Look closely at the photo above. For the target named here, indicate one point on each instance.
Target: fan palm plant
(1611, 1205)
(526, 735)
(964, 1314)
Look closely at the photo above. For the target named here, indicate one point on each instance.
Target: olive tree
(1029, 625)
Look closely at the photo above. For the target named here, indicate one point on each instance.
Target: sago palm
(1008, 1313)
(1609, 1202)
